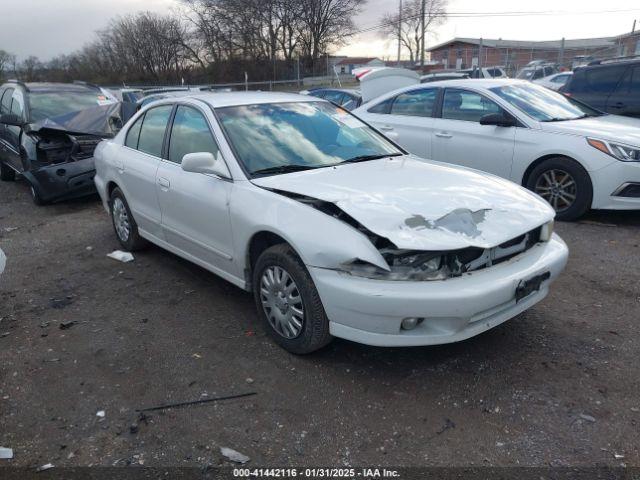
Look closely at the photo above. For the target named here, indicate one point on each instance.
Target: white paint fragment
(100, 413)
(3, 261)
(234, 456)
(124, 257)
(44, 467)
(6, 453)
(588, 418)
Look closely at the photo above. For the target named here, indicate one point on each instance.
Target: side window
(134, 134)
(349, 102)
(603, 80)
(417, 103)
(5, 106)
(17, 104)
(382, 107)
(153, 129)
(630, 84)
(468, 106)
(190, 134)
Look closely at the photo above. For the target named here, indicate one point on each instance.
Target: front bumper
(608, 180)
(63, 180)
(371, 311)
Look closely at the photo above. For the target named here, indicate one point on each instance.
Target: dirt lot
(557, 385)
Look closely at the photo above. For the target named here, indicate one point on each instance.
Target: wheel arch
(258, 243)
(538, 161)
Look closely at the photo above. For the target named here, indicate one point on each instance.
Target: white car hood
(615, 128)
(422, 205)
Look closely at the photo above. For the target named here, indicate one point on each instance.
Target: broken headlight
(403, 265)
(625, 153)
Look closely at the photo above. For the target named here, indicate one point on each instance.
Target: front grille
(472, 259)
(632, 190)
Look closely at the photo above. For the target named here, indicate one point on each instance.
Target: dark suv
(612, 86)
(48, 133)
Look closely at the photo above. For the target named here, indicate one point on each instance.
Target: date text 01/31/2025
(365, 473)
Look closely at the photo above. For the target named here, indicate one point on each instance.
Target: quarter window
(153, 129)
(190, 134)
(382, 107)
(16, 104)
(134, 134)
(335, 97)
(468, 106)
(417, 103)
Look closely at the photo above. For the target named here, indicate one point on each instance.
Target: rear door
(625, 100)
(459, 138)
(195, 206)
(408, 119)
(138, 163)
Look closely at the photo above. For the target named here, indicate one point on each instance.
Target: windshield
(282, 137)
(43, 105)
(543, 104)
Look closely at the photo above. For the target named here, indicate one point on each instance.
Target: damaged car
(48, 133)
(336, 230)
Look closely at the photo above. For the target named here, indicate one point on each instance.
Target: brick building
(513, 54)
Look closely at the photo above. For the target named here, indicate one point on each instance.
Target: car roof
(232, 99)
(58, 87)
(352, 91)
(479, 82)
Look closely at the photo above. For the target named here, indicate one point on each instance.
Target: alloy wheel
(558, 188)
(121, 219)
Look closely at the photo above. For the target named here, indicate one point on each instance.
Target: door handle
(443, 135)
(386, 128)
(164, 183)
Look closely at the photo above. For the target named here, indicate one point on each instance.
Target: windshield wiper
(366, 158)
(564, 119)
(282, 169)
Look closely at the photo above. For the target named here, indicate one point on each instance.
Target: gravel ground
(558, 385)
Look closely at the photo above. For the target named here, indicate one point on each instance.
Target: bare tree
(30, 68)
(411, 28)
(7, 60)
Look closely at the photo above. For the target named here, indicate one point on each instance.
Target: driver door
(460, 139)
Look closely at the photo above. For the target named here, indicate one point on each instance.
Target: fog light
(411, 323)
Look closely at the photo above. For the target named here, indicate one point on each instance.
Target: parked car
(611, 86)
(335, 230)
(128, 95)
(485, 72)
(537, 71)
(572, 155)
(146, 100)
(437, 76)
(347, 98)
(48, 132)
(555, 81)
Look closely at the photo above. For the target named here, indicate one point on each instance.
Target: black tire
(35, 196)
(314, 333)
(581, 187)
(132, 241)
(7, 174)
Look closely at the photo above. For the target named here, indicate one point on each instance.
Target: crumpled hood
(103, 121)
(422, 205)
(608, 127)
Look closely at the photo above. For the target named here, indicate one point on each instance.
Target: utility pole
(561, 54)
(422, 34)
(399, 31)
(480, 55)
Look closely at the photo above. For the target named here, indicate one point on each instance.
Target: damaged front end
(60, 152)
(419, 265)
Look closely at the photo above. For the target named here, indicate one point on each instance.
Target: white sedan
(335, 230)
(555, 81)
(573, 156)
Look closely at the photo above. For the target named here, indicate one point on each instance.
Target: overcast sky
(46, 28)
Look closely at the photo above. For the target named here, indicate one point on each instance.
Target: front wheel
(565, 184)
(288, 302)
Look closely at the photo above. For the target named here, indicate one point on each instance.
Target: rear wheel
(7, 174)
(288, 302)
(565, 185)
(123, 223)
(35, 196)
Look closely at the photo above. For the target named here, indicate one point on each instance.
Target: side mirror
(12, 120)
(205, 162)
(498, 120)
